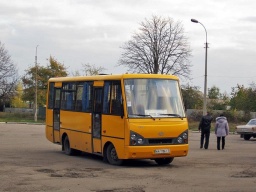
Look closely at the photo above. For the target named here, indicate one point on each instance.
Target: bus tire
(164, 161)
(112, 155)
(66, 147)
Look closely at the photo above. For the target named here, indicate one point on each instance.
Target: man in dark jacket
(205, 128)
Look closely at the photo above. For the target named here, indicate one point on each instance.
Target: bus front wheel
(164, 161)
(112, 155)
(66, 147)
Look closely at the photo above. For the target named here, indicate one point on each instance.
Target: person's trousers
(205, 135)
(218, 142)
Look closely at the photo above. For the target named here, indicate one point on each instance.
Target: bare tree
(91, 69)
(8, 76)
(160, 46)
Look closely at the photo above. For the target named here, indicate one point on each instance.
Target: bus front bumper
(153, 152)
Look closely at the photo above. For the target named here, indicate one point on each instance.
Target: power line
(236, 77)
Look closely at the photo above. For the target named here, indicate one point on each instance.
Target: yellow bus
(119, 117)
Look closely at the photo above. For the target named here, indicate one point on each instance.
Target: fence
(197, 114)
(41, 111)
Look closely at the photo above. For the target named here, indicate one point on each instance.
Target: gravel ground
(29, 162)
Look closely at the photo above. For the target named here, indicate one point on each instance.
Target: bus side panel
(76, 121)
(112, 126)
(127, 132)
(118, 143)
(49, 132)
(80, 124)
(75, 140)
(66, 132)
(78, 140)
(113, 131)
(49, 125)
(57, 136)
(97, 146)
(86, 143)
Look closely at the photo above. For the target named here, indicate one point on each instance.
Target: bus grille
(159, 141)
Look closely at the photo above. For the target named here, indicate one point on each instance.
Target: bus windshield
(153, 98)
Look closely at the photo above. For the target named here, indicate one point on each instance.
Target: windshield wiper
(171, 114)
(142, 115)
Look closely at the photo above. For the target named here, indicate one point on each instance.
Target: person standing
(221, 130)
(205, 128)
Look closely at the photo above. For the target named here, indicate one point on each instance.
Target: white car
(247, 131)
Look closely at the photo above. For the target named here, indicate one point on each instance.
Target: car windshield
(252, 122)
(153, 98)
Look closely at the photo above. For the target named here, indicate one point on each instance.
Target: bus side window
(116, 107)
(68, 96)
(112, 102)
(106, 97)
(87, 97)
(79, 92)
(117, 99)
(98, 100)
(70, 101)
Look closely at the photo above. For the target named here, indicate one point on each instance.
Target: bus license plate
(162, 151)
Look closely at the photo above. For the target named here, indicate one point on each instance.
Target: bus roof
(112, 77)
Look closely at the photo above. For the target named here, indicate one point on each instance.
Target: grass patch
(19, 117)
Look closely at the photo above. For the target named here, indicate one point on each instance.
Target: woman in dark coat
(221, 130)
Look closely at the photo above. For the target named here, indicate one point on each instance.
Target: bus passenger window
(112, 102)
(68, 96)
(87, 97)
(98, 100)
(79, 93)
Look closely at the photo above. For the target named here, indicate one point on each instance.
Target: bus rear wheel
(164, 161)
(66, 147)
(112, 157)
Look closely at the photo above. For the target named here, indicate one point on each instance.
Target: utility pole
(205, 73)
(35, 116)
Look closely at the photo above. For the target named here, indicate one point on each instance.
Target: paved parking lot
(28, 162)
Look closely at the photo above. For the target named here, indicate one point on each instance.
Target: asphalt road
(29, 162)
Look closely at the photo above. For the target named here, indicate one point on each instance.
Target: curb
(22, 123)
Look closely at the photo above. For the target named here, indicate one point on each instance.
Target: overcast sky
(92, 31)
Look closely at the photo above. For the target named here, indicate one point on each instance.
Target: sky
(77, 32)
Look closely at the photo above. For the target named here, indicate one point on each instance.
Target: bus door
(56, 116)
(96, 119)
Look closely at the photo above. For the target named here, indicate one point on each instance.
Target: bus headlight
(183, 138)
(136, 139)
(185, 135)
(180, 139)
